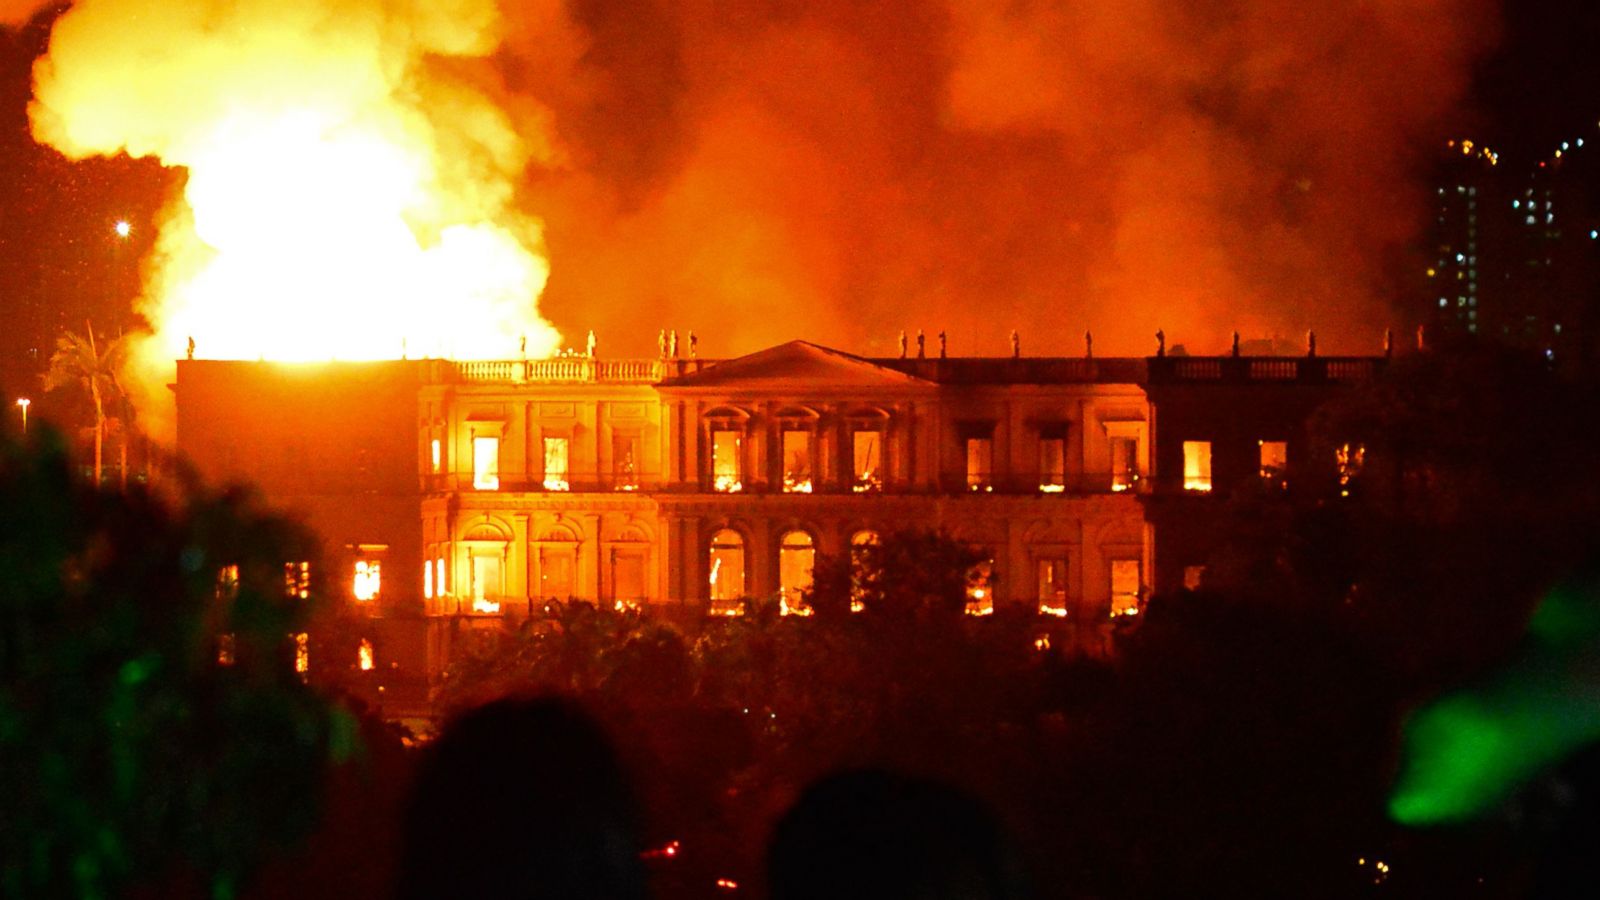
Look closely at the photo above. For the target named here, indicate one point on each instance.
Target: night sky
(1535, 90)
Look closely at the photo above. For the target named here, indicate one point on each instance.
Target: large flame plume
(364, 171)
(351, 172)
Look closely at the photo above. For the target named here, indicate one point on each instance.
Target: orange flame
(350, 176)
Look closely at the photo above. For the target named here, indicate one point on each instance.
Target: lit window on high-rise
(726, 472)
(1197, 465)
(297, 579)
(486, 463)
(302, 654)
(1125, 587)
(555, 464)
(364, 660)
(368, 579)
(435, 454)
(796, 446)
(867, 459)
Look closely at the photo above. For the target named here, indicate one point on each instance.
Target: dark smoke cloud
(758, 171)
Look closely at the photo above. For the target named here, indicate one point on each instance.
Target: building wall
(351, 448)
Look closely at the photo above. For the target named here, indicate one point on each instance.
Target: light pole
(24, 402)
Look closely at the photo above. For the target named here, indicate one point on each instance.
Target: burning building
(453, 494)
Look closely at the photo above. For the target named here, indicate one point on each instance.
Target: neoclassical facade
(468, 492)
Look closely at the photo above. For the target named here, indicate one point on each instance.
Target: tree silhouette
(91, 366)
(155, 733)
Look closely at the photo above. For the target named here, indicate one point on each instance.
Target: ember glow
(350, 183)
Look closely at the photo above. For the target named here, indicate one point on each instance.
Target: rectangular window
(427, 579)
(1274, 459)
(867, 453)
(438, 576)
(1349, 458)
(302, 654)
(297, 579)
(727, 475)
(486, 463)
(435, 454)
(627, 575)
(1124, 463)
(1197, 465)
(797, 462)
(486, 587)
(980, 589)
(625, 462)
(1125, 579)
(1053, 587)
(980, 464)
(1052, 465)
(368, 579)
(556, 565)
(555, 464)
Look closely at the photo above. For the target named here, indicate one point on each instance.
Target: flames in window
(980, 589)
(486, 463)
(555, 464)
(1349, 458)
(797, 462)
(368, 579)
(725, 469)
(364, 656)
(1125, 587)
(1124, 463)
(1197, 465)
(302, 654)
(867, 452)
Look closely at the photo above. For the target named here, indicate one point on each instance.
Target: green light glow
(1470, 749)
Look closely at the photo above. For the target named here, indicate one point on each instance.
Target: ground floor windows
(1125, 587)
(1052, 581)
(727, 588)
(797, 556)
(488, 572)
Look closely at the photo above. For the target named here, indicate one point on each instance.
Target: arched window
(797, 555)
(861, 544)
(727, 572)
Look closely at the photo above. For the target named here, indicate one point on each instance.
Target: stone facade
(480, 489)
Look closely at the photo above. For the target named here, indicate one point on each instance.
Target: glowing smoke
(766, 170)
(350, 175)
(844, 170)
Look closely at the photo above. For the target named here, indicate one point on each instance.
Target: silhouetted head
(521, 799)
(871, 834)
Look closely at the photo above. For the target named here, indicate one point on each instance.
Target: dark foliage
(131, 757)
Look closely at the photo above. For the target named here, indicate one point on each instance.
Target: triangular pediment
(798, 365)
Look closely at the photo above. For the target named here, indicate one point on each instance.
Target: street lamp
(123, 229)
(24, 402)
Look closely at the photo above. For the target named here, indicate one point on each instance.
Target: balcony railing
(1246, 369)
(649, 484)
(560, 370)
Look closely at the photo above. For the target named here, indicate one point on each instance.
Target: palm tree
(81, 362)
